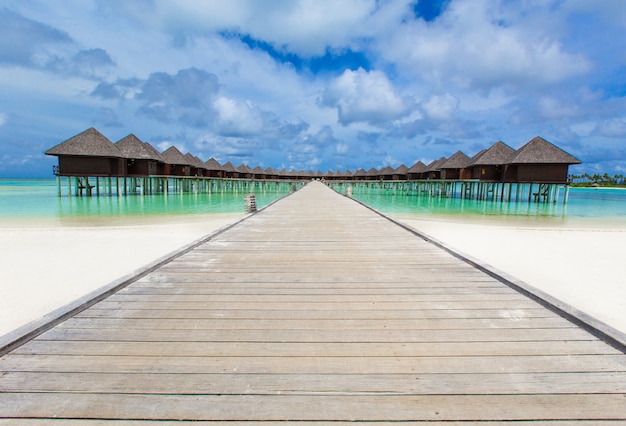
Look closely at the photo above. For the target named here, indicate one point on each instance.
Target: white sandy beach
(579, 263)
(45, 267)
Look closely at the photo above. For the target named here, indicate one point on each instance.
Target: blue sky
(314, 84)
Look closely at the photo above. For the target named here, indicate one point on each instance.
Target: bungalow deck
(316, 309)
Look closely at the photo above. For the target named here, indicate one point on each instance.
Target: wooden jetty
(315, 309)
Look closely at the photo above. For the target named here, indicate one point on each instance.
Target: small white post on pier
(349, 191)
(250, 203)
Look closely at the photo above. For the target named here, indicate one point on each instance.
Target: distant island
(598, 180)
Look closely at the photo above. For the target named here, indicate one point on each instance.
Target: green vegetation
(604, 180)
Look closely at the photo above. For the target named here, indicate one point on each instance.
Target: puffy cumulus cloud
(24, 39)
(90, 63)
(186, 96)
(32, 44)
(308, 150)
(227, 148)
(484, 44)
(366, 97)
(235, 118)
(440, 107)
(307, 27)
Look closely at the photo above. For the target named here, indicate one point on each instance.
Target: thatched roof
(458, 161)
(228, 167)
(133, 147)
(154, 152)
(540, 151)
(372, 172)
(173, 156)
(418, 167)
(435, 165)
(258, 171)
(497, 155)
(360, 173)
(194, 161)
(212, 164)
(386, 171)
(90, 143)
(401, 170)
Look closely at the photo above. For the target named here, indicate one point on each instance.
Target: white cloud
(303, 26)
(615, 128)
(362, 96)
(236, 118)
(440, 107)
(342, 148)
(556, 109)
(3, 118)
(474, 44)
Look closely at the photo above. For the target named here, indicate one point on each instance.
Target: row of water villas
(93, 164)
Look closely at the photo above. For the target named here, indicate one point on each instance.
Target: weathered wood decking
(315, 309)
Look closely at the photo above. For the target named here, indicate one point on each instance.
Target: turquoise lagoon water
(37, 199)
(591, 206)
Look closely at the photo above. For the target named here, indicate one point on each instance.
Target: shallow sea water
(23, 199)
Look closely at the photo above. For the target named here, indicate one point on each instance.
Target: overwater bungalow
(175, 162)
(230, 170)
(258, 173)
(401, 172)
(433, 170)
(359, 174)
(271, 173)
(372, 174)
(386, 173)
(213, 168)
(539, 161)
(140, 160)
(89, 153)
(489, 166)
(245, 172)
(454, 168)
(417, 171)
(195, 169)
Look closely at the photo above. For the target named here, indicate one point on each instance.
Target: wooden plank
(280, 384)
(311, 304)
(96, 422)
(341, 325)
(289, 349)
(370, 407)
(191, 334)
(81, 320)
(315, 310)
(317, 364)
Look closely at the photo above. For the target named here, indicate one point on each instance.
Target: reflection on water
(38, 199)
(583, 203)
